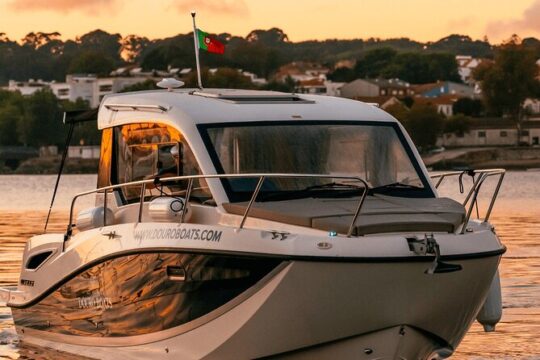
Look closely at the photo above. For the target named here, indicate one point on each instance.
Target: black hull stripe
(390, 259)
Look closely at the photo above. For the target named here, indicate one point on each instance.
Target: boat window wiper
(321, 190)
(395, 186)
(332, 186)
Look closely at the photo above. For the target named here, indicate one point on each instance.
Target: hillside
(46, 56)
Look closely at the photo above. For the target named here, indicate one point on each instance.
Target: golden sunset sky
(423, 20)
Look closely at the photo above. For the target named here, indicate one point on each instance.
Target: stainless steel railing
(472, 195)
(260, 176)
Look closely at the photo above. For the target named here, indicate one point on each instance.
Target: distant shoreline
(510, 158)
(515, 158)
(51, 164)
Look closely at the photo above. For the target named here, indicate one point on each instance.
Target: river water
(25, 200)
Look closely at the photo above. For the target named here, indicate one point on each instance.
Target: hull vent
(36, 260)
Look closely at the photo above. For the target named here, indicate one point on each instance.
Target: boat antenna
(71, 117)
(196, 43)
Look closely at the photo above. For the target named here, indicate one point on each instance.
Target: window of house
(481, 134)
(524, 132)
(503, 134)
(105, 88)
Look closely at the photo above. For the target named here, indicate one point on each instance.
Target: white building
(84, 87)
(466, 66)
(27, 88)
(333, 88)
(83, 152)
(61, 90)
(93, 89)
(87, 87)
(496, 134)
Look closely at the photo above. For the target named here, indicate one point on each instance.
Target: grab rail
(261, 178)
(475, 189)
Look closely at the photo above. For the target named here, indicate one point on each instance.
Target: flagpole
(196, 42)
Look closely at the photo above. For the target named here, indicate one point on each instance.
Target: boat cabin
(358, 150)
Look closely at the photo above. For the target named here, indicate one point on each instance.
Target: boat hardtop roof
(180, 107)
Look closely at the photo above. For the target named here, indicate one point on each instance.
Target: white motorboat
(233, 224)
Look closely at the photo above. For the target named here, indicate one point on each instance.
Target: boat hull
(374, 309)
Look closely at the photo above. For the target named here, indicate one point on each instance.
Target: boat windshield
(375, 152)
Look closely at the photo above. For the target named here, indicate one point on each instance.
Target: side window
(149, 150)
(105, 159)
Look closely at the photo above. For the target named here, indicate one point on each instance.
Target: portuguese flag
(209, 44)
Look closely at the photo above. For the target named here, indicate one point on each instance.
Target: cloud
(90, 7)
(528, 22)
(221, 7)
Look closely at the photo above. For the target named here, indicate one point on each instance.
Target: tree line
(36, 120)
(413, 67)
(46, 56)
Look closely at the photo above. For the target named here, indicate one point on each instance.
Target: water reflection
(515, 216)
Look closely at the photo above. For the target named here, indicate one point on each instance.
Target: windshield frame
(235, 196)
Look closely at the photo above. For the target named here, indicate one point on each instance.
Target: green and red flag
(209, 44)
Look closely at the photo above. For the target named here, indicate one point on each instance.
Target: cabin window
(481, 134)
(503, 134)
(104, 172)
(149, 150)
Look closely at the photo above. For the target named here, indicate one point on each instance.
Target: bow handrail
(472, 195)
(190, 178)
